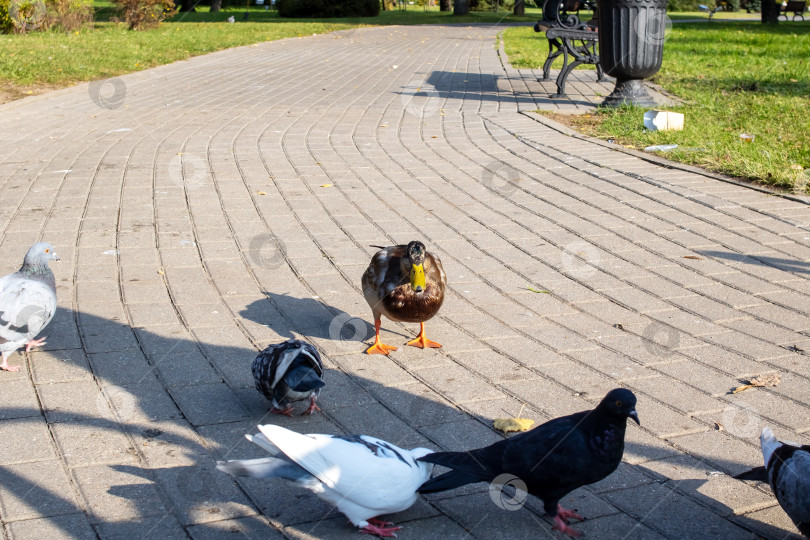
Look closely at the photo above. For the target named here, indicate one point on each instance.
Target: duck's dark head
(619, 404)
(416, 261)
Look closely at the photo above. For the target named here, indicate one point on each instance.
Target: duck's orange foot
(380, 348)
(422, 342)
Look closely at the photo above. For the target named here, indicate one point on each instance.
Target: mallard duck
(406, 284)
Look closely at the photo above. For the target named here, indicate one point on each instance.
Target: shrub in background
(23, 16)
(139, 14)
(27, 15)
(6, 24)
(69, 15)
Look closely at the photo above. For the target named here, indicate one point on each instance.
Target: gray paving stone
(92, 442)
(480, 515)
(195, 401)
(25, 439)
(68, 526)
(167, 443)
(59, 366)
(771, 523)
(18, 399)
(250, 527)
(201, 494)
(35, 490)
(146, 528)
(60, 401)
(118, 493)
(720, 492)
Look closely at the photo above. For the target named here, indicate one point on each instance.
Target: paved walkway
(207, 208)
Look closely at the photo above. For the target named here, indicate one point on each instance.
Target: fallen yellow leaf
(513, 424)
(261, 193)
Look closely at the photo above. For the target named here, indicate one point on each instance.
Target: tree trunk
(770, 11)
(520, 8)
(461, 7)
(444, 5)
(188, 5)
(216, 5)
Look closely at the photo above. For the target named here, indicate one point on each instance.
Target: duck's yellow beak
(418, 277)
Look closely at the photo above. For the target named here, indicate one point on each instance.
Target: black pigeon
(552, 459)
(289, 371)
(787, 470)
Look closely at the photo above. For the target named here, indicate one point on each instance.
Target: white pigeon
(27, 302)
(787, 470)
(362, 476)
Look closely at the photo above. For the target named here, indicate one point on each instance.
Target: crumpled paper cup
(663, 121)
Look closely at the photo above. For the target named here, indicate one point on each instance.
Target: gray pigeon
(289, 371)
(787, 470)
(362, 476)
(27, 302)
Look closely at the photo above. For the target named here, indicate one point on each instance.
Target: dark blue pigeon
(287, 372)
(787, 470)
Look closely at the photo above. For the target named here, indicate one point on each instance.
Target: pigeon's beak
(634, 415)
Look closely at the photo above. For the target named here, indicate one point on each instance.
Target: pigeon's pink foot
(312, 407)
(380, 530)
(565, 515)
(5, 367)
(285, 412)
(562, 526)
(34, 343)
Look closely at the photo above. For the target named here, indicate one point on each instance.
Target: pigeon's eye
(618, 403)
(47, 250)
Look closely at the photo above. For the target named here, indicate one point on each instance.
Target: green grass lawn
(734, 77)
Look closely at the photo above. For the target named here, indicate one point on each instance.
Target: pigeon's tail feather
(303, 379)
(460, 461)
(769, 444)
(263, 468)
(264, 442)
(466, 470)
(448, 480)
(757, 473)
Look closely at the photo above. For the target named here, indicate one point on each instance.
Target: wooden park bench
(569, 37)
(795, 6)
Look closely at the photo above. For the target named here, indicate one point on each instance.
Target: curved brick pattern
(207, 208)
